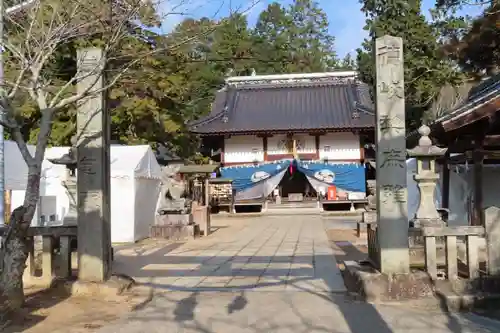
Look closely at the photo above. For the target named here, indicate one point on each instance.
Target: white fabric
(135, 186)
(263, 189)
(126, 161)
(145, 206)
(123, 210)
(16, 169)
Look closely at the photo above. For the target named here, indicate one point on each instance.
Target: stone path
(265, 254)
(264, 275)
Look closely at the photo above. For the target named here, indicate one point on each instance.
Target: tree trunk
(14, 261)
(13, 256)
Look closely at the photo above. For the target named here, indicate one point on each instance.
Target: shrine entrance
(295, 182)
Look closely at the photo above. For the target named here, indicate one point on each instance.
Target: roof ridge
(278, 85)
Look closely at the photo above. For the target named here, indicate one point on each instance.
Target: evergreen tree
(474, 43)
(294, 39)
(231, 50)
(347, 63)
(426, 68)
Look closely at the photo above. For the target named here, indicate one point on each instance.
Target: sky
(346, 21)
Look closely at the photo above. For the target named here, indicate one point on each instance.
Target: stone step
(289, 205)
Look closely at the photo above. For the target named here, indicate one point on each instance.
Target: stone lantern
(426, 177)
(69, 160)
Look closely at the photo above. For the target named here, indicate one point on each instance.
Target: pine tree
(294, 39)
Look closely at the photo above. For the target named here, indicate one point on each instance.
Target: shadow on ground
(35, 301)
(268, 304)
(349, 248)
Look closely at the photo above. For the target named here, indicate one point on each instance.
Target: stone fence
(430, 235)
(56, 251)
(450, 235)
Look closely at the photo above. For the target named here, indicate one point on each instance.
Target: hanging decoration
(349, 177)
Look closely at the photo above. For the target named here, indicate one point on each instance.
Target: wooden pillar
(445, 199)
(316, 140)
(478, 216)
(206, 192)
(264, 146)
(361, 148)
(7, 205)
(222, 149)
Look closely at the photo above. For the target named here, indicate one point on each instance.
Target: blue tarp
(247, 176)
(349, 177)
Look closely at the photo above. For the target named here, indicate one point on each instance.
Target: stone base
(175, 232)
(417, 287)
(466, 295)
(117, 284)
(174, 219)
(374, 286)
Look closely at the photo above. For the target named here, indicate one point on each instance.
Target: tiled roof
(283, 106)
(481, 94)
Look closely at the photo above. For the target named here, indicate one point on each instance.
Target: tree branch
(17, 136)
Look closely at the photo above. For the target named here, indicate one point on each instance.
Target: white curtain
(261, 189)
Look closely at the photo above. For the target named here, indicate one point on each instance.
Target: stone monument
(93, 165)
(426, 177)
(173, 198)
(392, 212)
(370, 213)
(372, 195)
(174, 219)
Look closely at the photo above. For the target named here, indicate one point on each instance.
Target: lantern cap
(425, 147)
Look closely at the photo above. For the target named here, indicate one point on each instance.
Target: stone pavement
(264, 254)
(263, 275)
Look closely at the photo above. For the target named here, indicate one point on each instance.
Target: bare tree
(34, 38)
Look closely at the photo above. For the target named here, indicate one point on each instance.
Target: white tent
(16, 169)
(16, 173)
(135, 186)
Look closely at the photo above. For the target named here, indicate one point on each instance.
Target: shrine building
(293, 136)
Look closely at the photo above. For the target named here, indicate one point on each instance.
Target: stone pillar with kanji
(392, 211)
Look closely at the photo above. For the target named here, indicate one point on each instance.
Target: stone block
(174, 219)
(374, 286)
(175, 231)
